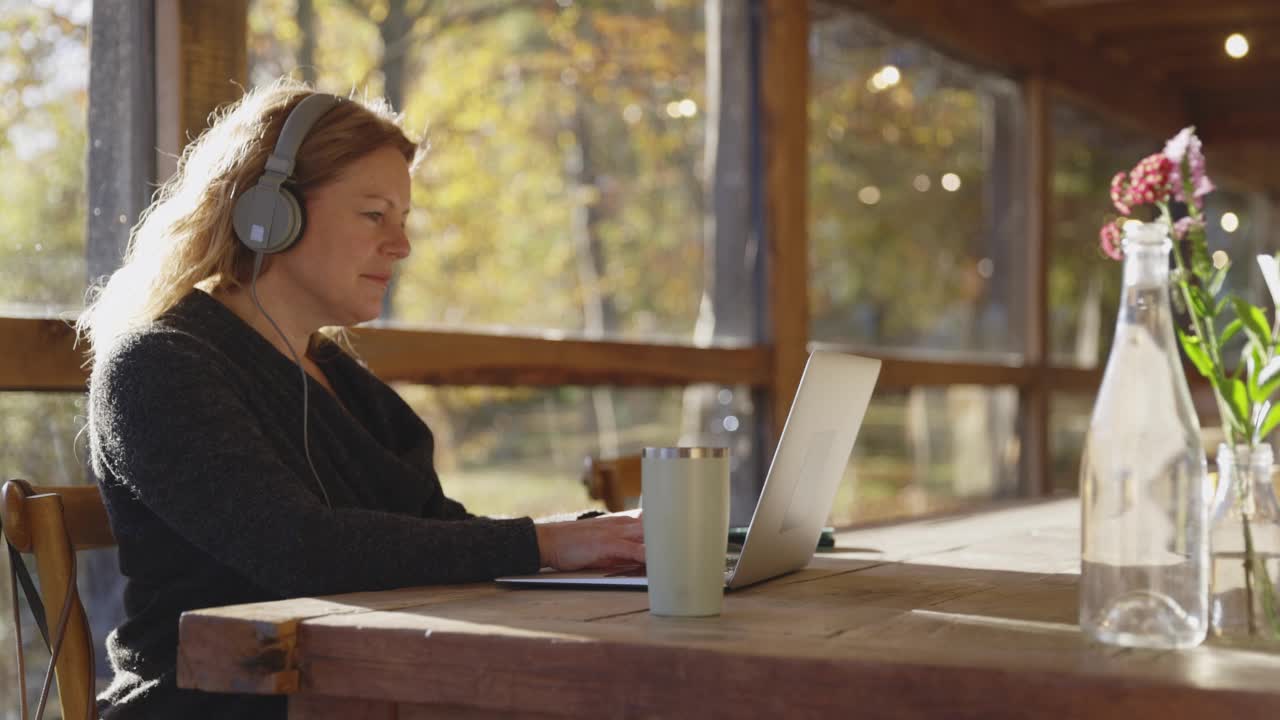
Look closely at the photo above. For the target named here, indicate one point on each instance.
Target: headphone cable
(306, 443)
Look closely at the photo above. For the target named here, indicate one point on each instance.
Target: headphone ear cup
(297, 219)
(285, 220)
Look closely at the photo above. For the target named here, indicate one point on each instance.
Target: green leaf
(1270, 422)
(1179, 303)
(1229, 331)
(1267, 390)
(1270, 265)
(1255, 322)
(1201, 264)
(1270, 371)
(1199, 301)
(1219, 275)
(1268, 380)
(1253, 361)
(1195, 351)
(1238, 399)
(1231, 416)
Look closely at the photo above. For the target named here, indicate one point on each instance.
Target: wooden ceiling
(1155, 64)
(1179, 45)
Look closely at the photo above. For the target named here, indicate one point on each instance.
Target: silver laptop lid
(807, 466)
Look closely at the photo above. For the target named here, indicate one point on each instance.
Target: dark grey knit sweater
(196, 438)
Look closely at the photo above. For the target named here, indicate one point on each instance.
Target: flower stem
(1248, 565)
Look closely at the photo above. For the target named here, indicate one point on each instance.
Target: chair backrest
(616, 481)
(51, 523)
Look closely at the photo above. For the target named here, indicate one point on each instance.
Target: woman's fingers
(595, 543)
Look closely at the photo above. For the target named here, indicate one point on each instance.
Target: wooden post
(1035, 396)
(202, 62)
(121, 163)
(784, 103)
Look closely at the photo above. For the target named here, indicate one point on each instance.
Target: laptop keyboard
(730, 562)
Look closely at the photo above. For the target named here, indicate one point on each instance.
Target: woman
(217, 491)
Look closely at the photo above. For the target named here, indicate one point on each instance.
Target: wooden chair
(52, 523)
(616, 481)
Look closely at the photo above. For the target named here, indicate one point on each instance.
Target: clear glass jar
(1245, 547)
(1144, 576)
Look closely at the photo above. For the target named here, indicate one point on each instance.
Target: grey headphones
(269, 217)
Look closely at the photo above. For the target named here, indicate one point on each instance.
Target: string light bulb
(1237, 45)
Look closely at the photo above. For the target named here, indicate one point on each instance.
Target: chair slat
(86, 516)
(613, 481)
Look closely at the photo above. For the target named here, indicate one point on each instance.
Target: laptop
(812, 453)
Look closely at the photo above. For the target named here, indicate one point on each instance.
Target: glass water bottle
(1144, 562)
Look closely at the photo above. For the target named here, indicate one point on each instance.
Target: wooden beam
(1199, 38)
(1237, 126)
(47, 360)
(1078, 380)
(202, 62)
(1211, 61)
(1035, 398)
(785, 97)
(1246, 85)
(39, 354)
(1000, 37)
(449, 358)
(897, 374)
(1155, 15)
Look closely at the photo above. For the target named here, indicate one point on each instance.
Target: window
(916, 224)
(519, 451)
(1084, 284)
(1068, 423)
(929, 450)
(43, 133)
(914, 181)
(1237, 222)
(566, 156)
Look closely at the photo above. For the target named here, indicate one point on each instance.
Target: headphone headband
(295, 131)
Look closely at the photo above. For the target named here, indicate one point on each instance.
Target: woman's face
(355, 235)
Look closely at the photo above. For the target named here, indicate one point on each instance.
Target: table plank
(963, 616)
(250, 648)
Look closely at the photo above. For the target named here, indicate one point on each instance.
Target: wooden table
(967, 616)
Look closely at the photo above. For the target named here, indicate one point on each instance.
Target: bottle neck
(1249, 470)
(1146, 265)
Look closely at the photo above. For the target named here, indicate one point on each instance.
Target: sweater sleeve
(172, 428)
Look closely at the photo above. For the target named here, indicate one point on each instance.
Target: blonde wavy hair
(185, 240)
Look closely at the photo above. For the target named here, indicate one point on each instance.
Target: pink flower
(1119, 193)
(1110, 241)
(1150, 179)
(1186, 147)
(1176, 147)
(1147, 183)
(1181, 227)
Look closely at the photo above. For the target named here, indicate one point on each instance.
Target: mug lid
(685, 452)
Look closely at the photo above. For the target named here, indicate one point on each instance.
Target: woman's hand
(608, 541)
